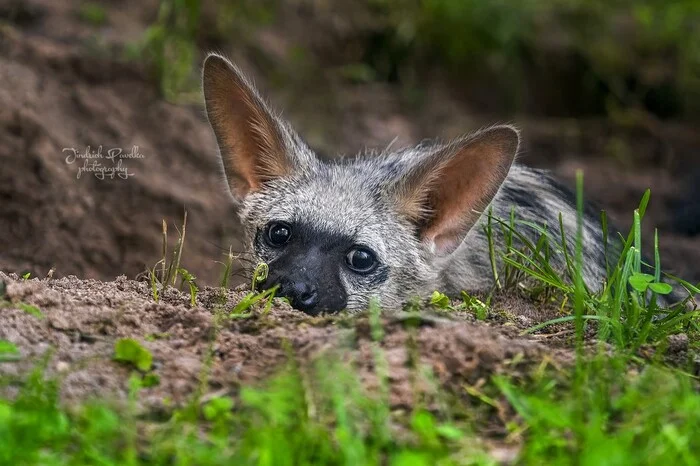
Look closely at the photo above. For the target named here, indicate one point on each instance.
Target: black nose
(304, 296)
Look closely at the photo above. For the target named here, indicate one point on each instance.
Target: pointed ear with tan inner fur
(251, 140)
(446, 191)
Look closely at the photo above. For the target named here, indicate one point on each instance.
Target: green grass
(626, 311)
(612, 409)
(294, 419)
(609, 406)
(608, 414)
(165, 272)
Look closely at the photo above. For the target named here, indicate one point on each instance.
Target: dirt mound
(81, 320)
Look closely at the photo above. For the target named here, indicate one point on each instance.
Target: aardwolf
(389, 225)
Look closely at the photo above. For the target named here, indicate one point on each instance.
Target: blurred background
(612, 87)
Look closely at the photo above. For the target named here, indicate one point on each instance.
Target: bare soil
(82, 319)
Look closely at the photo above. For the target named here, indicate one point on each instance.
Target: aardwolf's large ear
(255, 146)
(445, 191)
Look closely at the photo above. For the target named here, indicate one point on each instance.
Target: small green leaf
(8, 351)
(423, 424)
(644, 277)
(218, 408)
(249, 300)
(29, 309)
(411, 458)
(27, 275)
(284, 300)
(5, 413)
(449, 432)
(150, 380)
(259, 274)
(475, 305)
(641, 281)
(130, 351)
(661, 288)
(7, 347)
(135, 383)
(191, 282)
(440, 300)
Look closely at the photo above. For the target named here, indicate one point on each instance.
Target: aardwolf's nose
(303, 296)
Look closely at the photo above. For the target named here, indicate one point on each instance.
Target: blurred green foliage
(170, 46)
(171, 43)
(93, 13)
(237, 17)
(631, 53)
(568, 57)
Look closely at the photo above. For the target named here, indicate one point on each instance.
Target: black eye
(278, 233)
(361, 260)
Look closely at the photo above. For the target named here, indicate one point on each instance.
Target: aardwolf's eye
(278, 233)
(361, 260)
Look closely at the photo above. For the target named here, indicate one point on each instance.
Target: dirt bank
(80, 321)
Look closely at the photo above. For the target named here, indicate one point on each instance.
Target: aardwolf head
(336, 234)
